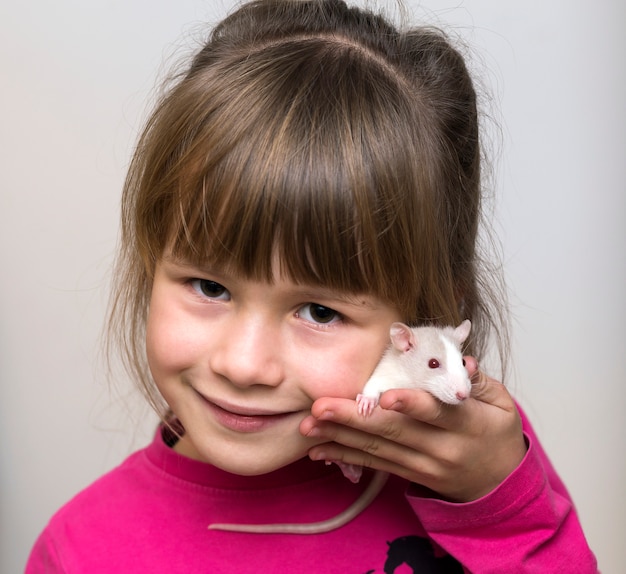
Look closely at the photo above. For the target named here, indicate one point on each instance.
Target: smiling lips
(244, 420)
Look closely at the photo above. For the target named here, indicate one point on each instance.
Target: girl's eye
(433, 364)
(318, 313)
(210, 289)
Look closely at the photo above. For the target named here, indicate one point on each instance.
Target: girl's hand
(461, 452)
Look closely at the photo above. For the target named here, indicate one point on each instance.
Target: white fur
(406, 365)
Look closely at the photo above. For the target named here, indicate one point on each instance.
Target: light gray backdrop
(76, 77)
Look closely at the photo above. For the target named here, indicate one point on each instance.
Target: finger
(490, 391)
(386, 423)
(336, 453)
(484, 388)
(345, 412)
(334, 420)
(421, 406)
(347, 439)
(329, 408)
(425, 411)
(389, 435)
(486, 393)
(355, 447)
(471, 365)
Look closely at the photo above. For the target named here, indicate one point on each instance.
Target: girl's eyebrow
(306, 291)
(354, 299)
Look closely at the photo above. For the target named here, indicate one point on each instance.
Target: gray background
(76, 81)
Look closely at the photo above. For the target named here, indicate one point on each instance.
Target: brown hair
(323, 134)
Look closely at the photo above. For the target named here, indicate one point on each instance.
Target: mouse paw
(365, 405)
(352, 472)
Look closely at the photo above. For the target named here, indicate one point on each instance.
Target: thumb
(485, 388)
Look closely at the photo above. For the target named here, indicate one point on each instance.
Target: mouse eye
(433, 364)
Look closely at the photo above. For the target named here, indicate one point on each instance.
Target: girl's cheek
(161, 358)
(167, 348)
(342, 379)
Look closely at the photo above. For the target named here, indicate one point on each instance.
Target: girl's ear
(462, 331)
(402, 337)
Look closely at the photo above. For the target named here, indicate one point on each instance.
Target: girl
(312, 177)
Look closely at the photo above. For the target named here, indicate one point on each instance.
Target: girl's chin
(248, 460)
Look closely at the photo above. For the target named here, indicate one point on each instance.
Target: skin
(286, 381)
(459, 452)
(259, 351)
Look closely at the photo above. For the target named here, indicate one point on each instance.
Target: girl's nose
(248, 353)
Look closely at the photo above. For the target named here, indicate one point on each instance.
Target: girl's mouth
(241, 419)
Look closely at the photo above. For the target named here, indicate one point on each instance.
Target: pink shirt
(151, 514)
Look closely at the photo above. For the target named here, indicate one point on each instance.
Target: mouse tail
(369, 495)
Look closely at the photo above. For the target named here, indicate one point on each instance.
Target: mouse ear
(401, 337)
(462, 331)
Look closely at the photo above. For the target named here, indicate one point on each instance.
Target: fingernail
(314, 432)
(326, 416)
(320, 456)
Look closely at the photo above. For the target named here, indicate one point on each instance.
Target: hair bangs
(316, 188)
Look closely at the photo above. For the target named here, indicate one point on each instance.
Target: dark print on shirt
(417, 553)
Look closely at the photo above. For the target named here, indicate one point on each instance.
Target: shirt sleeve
(527, 525)
(43, 558)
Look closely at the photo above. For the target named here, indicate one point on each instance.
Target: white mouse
(426, 358)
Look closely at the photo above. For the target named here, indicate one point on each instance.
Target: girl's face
(240, 362)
